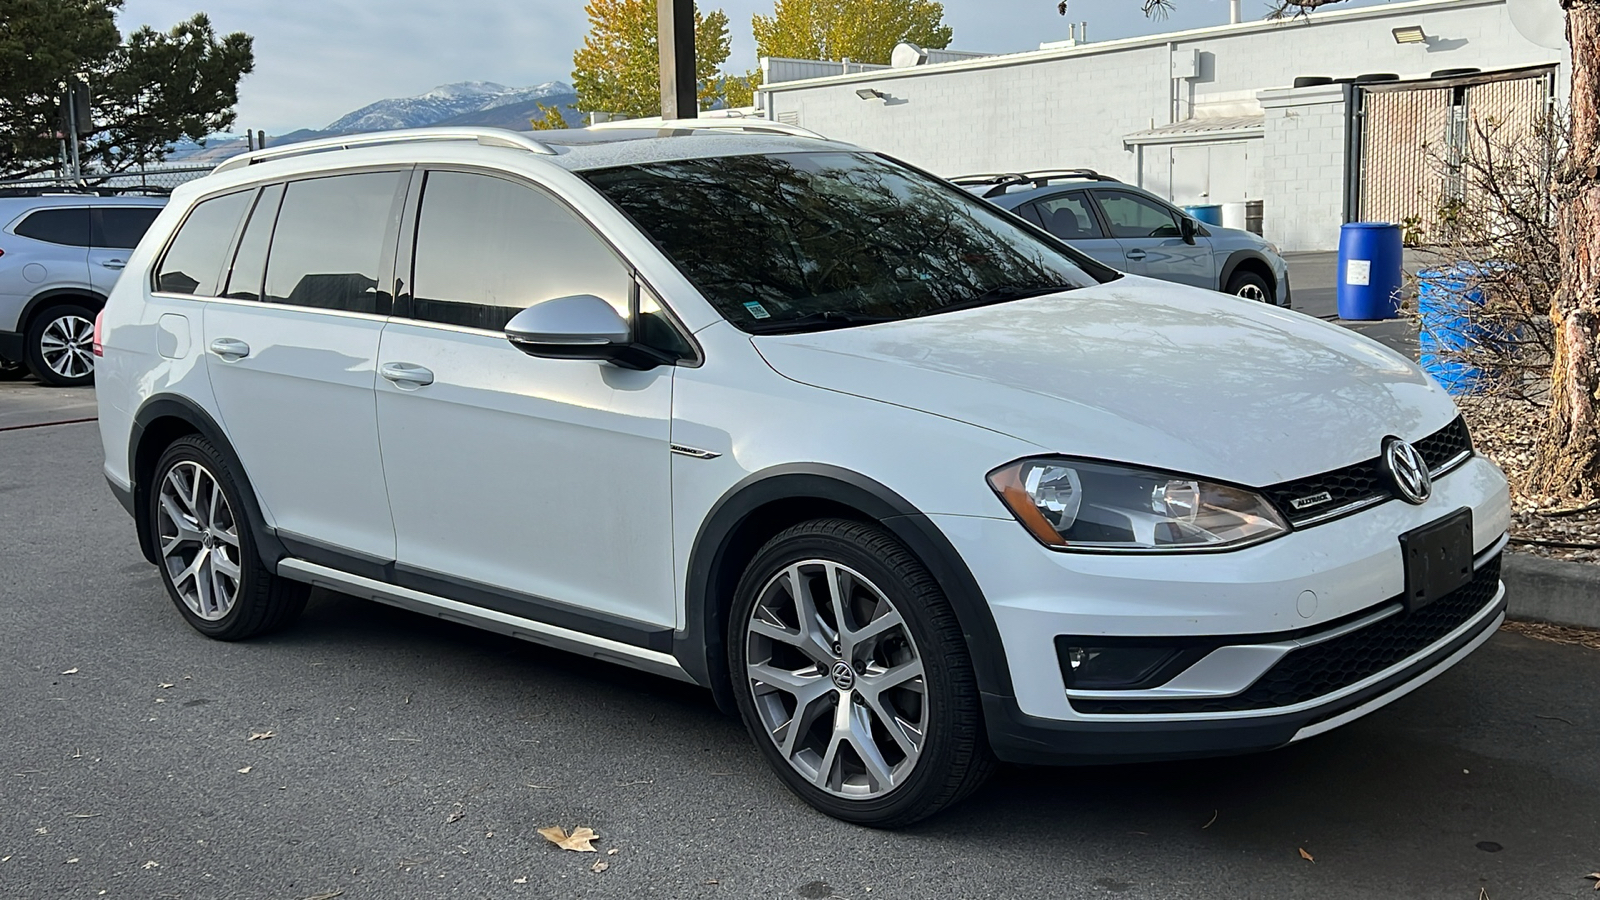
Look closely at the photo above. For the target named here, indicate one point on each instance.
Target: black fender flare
(164, 406)
(1241, 256)
(38, 301)
(700, 648)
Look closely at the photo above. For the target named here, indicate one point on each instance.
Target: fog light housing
(1100, 664)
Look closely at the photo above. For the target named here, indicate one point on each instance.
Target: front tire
(851, 673)
(60, 346)
(1251, 286)
(207, 552)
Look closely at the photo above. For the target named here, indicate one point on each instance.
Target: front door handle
(406, 375)
(114, 264)
(230, 349)
(1136, 254)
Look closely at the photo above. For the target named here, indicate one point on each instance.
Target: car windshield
(805, 241)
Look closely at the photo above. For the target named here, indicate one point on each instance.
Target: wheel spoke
(873, 630)
(224, 565)
(906, 736)
(806, 713)
(797, 683)
(876, 682)
(860, 737)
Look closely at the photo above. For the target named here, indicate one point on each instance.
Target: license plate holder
(1438, 558)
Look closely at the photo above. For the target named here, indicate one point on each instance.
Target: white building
(1212, 115)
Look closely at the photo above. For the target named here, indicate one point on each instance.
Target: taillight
(99, 319)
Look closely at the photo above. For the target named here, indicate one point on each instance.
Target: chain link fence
(152, 180)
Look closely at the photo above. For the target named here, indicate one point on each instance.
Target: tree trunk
(1568, 462)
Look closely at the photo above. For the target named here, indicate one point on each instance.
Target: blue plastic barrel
(1211, 215)
(1445, 296)
(1370, 256)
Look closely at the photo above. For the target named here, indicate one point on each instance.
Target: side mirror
(1187, 228)
(581, 326)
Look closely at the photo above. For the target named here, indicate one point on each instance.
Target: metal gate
(1413, 136)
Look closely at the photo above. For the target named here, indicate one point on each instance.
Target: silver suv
(1133, 230)
(59, 256)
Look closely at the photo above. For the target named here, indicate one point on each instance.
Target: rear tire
(851, 673)
(207, 552)
(1251, 286)
(60, 345)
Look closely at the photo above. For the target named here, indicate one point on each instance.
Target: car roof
(595, 148)
(70, 199)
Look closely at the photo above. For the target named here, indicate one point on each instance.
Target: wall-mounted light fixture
(870, 94)
(1410, 34)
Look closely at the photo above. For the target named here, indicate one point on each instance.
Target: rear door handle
(1136, 254)
(230, 349)
(114, 263)
(406, 375)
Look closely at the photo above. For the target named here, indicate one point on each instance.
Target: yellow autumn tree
(618, 68)
(857, 30)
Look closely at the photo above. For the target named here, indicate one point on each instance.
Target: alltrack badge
(1408, 471)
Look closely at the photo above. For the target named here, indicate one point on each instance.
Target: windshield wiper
(1001, 294)
(817, 321)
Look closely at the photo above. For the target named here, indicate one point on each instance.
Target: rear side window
(57, 226)
(120, 227)
(194, 262)
(250, 260)
(1067, 216)
(328, 243)
(488, 248)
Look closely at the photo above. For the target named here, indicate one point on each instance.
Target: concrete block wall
(1303, 166)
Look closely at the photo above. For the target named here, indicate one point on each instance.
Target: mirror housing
(581, 326)
(1188, 228)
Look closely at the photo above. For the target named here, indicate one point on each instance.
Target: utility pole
(675, 38)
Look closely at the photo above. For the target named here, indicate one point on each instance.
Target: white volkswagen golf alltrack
(910, 484)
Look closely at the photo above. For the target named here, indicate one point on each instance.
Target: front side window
(194, 262)
(69, 227)
(120, 227)
(802, 241)
(1133, 216)
(328, 243)
(488, 248)
(1067, 216)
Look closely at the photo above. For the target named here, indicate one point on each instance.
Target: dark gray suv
(1135, 231)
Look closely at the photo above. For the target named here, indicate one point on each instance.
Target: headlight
(1075, 505)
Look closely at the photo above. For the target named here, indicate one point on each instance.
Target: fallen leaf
(41, 831)
(522, 880)
(260, 736)
(166, 684)
(599, 867)
(152, 864)
(454, 817)
(246, 770)
(71, 671)
(612, 852)
(1594, 875)
(578, 840)
(73, 860)
(1306, 856)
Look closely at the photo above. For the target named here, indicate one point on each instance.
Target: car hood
(1138, 371)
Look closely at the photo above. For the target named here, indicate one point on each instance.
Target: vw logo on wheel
(844, 677)
(1407, 469)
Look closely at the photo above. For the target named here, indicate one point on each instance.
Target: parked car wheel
(60, 346)
(11, 371)
(852, 676)
(207, 551)
(1251, 286)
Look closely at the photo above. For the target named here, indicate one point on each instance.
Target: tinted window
(194, 262)
(57, 226)
(488, 248)
(802, 241)
(250, 261)
(1134, 216)
(1067, 216)
(120, 227)
(329, 242)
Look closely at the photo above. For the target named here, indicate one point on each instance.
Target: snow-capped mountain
(445, 102)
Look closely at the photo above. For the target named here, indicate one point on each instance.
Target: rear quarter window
(194, 261)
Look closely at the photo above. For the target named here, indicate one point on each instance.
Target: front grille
(1321, 669)
(1363, 483)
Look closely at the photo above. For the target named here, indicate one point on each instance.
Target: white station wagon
(905, 481)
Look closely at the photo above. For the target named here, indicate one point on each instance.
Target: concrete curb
(1552, 590)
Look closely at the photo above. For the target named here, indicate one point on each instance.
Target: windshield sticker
(757, 310)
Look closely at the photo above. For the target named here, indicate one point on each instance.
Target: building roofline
(1025, 57)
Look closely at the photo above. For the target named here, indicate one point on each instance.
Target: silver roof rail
(488, 137)
(746, 124)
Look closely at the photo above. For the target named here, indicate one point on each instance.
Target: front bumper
(1334, 585)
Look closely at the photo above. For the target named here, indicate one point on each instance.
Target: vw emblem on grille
(844, 677)
(1407, 469)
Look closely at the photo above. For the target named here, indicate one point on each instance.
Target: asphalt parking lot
(410, 758)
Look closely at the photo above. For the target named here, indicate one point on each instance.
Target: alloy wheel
(837, 679)
(1253, 292)
(67, 346)
(199, 540)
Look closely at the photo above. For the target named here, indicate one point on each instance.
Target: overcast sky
(319, 59)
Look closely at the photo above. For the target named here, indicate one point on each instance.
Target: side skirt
(651, 661)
